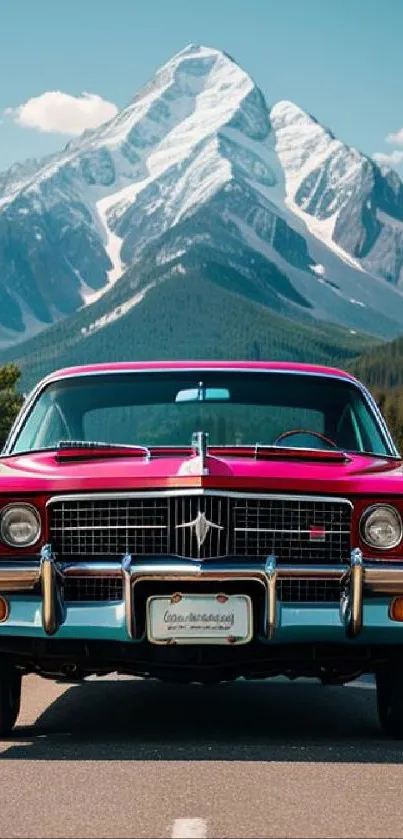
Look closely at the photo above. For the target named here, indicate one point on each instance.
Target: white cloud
(396, 138)
(55, 112)
(392, 158)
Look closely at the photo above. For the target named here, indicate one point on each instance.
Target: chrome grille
(308, 591)
(92, 588)
(81, 588)
(293, 530)
(296, 530)
(110, 527)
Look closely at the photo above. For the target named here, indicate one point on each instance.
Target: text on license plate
(199, 618)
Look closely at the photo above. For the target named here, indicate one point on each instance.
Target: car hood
(43, 473)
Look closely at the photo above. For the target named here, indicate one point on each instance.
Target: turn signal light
(396, 609)
(4, 609)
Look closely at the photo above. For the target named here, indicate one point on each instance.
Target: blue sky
(342, 61)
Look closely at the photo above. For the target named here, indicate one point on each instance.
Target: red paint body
(362, 478)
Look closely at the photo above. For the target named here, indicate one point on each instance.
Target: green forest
(390, 402)
(10, 399)
(382, 371)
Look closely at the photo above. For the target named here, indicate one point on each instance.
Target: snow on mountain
(197, 164)
(343, 196)
(18, 174)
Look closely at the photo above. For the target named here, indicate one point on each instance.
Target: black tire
(10, 697)
(389, 695)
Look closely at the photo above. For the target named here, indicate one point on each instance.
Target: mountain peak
(190, 98)
(200, 51)
(195, 62)
(203, 51)
(195, 49)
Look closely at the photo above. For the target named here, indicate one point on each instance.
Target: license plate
(199, 619)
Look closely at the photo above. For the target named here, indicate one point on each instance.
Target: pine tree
(10, 399)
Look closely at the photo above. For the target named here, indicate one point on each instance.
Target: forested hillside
(184, 318)
(382, 366)
(10, 399)
(381, 370)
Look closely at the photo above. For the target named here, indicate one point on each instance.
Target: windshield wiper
(68, 450)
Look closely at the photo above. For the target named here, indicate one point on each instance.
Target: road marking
(189, 829)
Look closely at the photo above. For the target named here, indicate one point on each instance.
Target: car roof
(137, 366)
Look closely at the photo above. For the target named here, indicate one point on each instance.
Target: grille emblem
(317, 534)
(201, 526)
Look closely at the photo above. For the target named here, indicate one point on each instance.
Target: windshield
(234, 408)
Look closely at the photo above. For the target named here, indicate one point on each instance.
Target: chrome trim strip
(283, 572)
(197, 491)
(19, 578)
(128, 527)
(278, 530)
(30, 401)
(388, 581)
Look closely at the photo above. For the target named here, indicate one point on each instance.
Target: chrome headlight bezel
(368, 513)
(36, 519)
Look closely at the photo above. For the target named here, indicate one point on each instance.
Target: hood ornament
(201, 526)
(199, 446)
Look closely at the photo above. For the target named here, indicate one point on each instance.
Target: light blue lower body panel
(312, 623)
(295, 623)
(102, 621)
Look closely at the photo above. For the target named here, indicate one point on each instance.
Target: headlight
(20, 525)
(381, 527)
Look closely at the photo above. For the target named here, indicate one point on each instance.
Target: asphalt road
(132, 758)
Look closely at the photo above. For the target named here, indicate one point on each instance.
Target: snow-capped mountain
(344, 197)
(198, 167)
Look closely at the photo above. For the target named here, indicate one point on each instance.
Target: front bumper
(37, 606)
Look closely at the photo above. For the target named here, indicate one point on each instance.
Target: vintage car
(201, 521)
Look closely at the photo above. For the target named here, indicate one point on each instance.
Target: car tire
(10, 697)
(389, 695)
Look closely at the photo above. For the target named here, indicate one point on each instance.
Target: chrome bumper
(356, 579)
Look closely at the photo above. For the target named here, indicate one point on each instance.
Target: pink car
(201, 521)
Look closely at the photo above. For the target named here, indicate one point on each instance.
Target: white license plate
(199, 619)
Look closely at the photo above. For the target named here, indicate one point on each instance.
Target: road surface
(132, 758)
